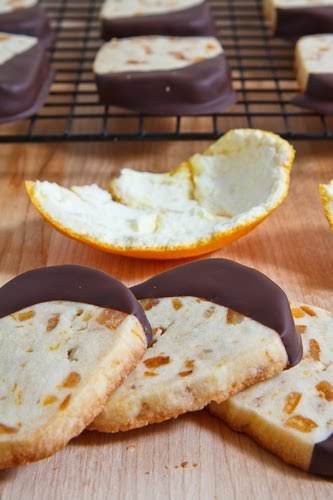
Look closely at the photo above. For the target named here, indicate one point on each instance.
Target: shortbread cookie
(25, 17)
(218, 327)
(164, 75)
(156, 17)
(78, 336)
(25, 76)
(296, 18)
(291, 415)
(7, 6)
(314, 66)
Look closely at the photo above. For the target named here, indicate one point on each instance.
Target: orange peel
(326, 198)
(207, 202)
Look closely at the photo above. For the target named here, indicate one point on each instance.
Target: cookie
(314, 67)
(164, 75)
(156, 17)
(25, 17)
(295, 18)
(25, 76)
(291, 415)
(68, 337)
(218, 327)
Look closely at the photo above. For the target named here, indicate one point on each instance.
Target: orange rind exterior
(326, 201)
(202, 246)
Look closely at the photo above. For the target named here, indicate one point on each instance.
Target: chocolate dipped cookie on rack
(156, 17)
(314, 71)
(25, 76)
(25, 17)
(164, 75)
(295, 18)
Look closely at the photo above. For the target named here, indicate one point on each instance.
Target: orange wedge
(207, 202)
(326, 198)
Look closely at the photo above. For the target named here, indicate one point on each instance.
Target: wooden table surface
(195, 456)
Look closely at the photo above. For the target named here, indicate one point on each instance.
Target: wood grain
(195, 456)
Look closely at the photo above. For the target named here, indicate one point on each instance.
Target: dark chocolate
(25, 80)
(231, 285)
(203, 87)
(318, 95)
(194, 21)
(71, 283)
(299, 21)
(32, 21)
(322, 458)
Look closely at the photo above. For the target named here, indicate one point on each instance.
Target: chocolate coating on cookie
(71, 283)
(318, 95)
(203, 87)
(231, 285)
(25, 81)
(294, 22)
(322, 458)
(194, 21)
(31, 21)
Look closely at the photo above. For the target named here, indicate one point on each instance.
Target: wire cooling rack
(262, 71)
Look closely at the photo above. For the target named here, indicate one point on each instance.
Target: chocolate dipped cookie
(164, 75)
(314, 68)
(295, 18)
(218, 327)
(69, 336)
(123, 18)
(25, 76)
(25, 17)
(291, 415)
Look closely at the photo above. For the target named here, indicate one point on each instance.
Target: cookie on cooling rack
(295, 18)
(156, 17)
(25, 17)
(68, 337)
(164, 75)
(25, 76)
(314, 67)
(291, 415)
(218, 327)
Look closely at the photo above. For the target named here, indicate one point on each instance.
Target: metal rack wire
(262, 69)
